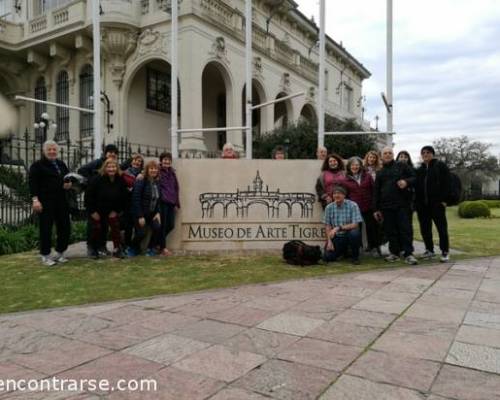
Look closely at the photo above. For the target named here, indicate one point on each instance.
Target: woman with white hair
(48, 193)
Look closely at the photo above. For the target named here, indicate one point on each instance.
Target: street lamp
(45, 123)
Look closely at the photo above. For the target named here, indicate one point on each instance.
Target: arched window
(62, 114)
(86, 92)
(40, 94)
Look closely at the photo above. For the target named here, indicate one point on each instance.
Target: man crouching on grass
(342, 219)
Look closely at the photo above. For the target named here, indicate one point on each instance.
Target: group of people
(134, 202)
(381, 193)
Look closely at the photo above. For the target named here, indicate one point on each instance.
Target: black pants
(426, 215)
(372, 230)
(140, 234)
(398, 231)
(167, 212)
(350, 239)
(54, 211)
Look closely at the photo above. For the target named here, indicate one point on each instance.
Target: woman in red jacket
(359, 184)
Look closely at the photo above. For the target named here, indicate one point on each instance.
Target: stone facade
(135, 43)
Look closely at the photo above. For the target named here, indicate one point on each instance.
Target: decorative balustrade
(218, 11)
(61, 16)
(38, 24)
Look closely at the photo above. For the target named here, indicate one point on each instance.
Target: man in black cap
(342, 219)
(432, 189)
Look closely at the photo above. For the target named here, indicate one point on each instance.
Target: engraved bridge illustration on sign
(243, 200)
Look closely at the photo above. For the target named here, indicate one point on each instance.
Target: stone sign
(246, 204)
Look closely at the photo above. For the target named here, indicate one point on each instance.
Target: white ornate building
(46, 52)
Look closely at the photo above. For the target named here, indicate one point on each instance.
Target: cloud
(446, 64)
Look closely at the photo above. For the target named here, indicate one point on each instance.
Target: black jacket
(45, 182)
(91, 169)
(433, 183)
(143, 204)
(105, 195)
(387, 194)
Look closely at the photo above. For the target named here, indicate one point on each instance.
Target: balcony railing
(68, 12)
(218, 11)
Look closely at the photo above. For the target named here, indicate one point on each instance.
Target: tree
(470, 160)
(301, 140)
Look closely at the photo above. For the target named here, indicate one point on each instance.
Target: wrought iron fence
(18, 153)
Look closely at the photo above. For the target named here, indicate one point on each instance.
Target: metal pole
(51, 103)
(96, 34)
(218, 129)
(248, 70)
(173, 82)
(322, 61)
(268, 103)
(390, 125)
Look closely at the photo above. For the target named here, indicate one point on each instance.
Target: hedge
(474, 209)
(492, 203)
(25, 238)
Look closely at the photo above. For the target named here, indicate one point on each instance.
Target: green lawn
(27, 286)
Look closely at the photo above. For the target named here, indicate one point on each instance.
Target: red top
(332, 179)
(361, 193)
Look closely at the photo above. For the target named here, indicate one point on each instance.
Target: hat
(428, 148)
(340, 189)
(111, 148)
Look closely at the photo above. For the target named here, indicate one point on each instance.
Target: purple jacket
(169, 187)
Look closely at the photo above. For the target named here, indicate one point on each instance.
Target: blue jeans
(350, 239)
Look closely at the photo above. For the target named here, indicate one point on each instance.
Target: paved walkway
(403, 334)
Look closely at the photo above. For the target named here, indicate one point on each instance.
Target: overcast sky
(446, 64)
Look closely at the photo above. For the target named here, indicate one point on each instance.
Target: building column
(190, 77)
(234, 117)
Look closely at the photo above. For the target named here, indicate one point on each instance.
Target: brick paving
(423, 333)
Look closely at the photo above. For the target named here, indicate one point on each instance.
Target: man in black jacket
(392, 205)
(432, 189)
(48, 192)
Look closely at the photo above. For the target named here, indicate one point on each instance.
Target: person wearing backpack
(342, 219)
(433, 186)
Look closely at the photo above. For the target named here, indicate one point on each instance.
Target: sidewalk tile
(221, 363)
(353, 388)
(475, 357)
(400, 371)
(287, 381)
(365, 318)
(466, 384)
(345, 333)
(259, 341)
(209, 331)
(291, 324)
(321, 354)
(479, 335)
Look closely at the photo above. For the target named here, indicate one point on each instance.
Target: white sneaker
(444, 258)
(59, 258)
(427, 255)
(47, 261)
(411, 260)
(391, 258)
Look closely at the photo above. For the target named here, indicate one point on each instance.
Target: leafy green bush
(492, 203)
(474, 209)
(16, 181)
(25, 238)
(301, 140)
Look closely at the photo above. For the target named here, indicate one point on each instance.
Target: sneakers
(427, 255)
(131, 252)
(391, 258)
(375, 252)
(103, 252)
(92, 253)
(47, 261)
(150, 253)
(118, 253)
(411, 260)
(445, 257)
(59, 258)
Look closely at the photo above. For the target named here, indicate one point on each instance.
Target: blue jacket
(142, 198)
